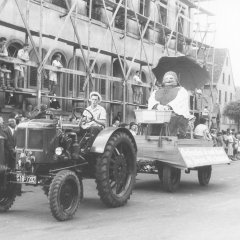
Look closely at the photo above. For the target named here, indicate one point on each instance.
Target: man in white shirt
(19, 69)
(93, 125)
(201, 131)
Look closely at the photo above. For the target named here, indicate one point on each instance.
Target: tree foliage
(232, 110)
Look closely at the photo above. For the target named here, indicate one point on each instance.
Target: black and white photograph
(119, 119)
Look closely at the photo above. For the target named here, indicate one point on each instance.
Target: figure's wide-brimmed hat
(96, 93)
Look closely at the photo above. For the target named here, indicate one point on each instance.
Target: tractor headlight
(58, 151)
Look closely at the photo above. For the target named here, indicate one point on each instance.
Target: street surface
(193, 212)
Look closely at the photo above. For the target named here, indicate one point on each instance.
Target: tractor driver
(95, 125)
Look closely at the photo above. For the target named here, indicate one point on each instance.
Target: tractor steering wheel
(82, 117)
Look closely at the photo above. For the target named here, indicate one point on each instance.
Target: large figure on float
(171, 96)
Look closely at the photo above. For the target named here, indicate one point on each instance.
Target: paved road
(193, 212)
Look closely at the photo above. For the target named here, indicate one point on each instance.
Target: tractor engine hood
(40, 137)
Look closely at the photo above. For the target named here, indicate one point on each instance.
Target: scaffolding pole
(125, 64)
(39, 73)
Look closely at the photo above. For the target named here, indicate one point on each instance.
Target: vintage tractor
(165, 155)
(53, 153)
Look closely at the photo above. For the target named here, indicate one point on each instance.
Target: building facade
(223, 89)
(117, 39)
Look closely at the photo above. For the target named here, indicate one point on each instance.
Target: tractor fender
(103, 137)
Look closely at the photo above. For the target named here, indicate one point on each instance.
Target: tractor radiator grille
(36, 139)
(20, 138)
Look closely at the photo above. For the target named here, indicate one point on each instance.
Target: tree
(232, 111)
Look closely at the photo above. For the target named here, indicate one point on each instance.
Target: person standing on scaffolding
(19, 69)
(4, 72)
(137, 88)
(3, 48)
(53, 75)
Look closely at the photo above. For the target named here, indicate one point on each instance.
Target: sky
(228, 30)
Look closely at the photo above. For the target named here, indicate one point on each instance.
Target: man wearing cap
(171, 96)
(99, 118)
(98, 112)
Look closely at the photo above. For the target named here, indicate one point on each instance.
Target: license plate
(30, 179)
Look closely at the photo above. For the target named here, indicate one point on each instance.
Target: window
(231, 97)
(144, 7)
(141, 7)
(220, 97)
(60, 3)
(102, 86)
(180, 27)
(162, 12)
(32, 77)
(223, 78)
(227, 61)
(102, 82)
(76, 82)
(225, 97)
(13, 48)
(229, 79)
(96, 10)
(120, 17)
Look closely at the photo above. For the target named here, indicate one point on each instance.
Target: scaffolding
(121, 11)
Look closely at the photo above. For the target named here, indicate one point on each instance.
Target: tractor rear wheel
(171, 178)
(116, 170)
(65, 195)
(7, 196)
(204, 175)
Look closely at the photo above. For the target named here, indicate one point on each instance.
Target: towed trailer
(168, 155)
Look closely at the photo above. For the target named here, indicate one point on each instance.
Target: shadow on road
(186, 186)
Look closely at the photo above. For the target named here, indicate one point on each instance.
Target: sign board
(202, 156)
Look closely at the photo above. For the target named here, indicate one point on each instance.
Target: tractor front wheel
(65, 195)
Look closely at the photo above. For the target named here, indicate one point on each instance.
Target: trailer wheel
(171, 178)
(160, 173)
(7, 197)
(204, 175)
(64, 195)
(116, 170)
